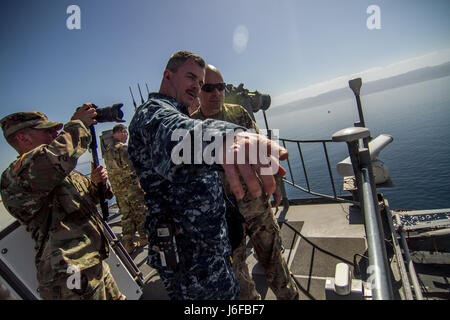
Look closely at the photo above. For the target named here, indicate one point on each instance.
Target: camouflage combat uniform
(260, 225)
(191, 196)
(128, 192)
(58, 206)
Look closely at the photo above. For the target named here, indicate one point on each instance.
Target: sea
(417, 116)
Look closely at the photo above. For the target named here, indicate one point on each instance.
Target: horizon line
(369, 75)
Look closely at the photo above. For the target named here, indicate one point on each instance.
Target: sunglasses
(209, 87)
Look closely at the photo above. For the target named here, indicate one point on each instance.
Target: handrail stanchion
(265, 120)
(409, 262)
(289, 163)
(329, 169)
(304, 167)
(285, 201)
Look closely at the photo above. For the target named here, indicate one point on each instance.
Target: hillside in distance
(408, 78)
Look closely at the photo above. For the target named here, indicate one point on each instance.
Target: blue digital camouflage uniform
(190, 195)
(261, 226)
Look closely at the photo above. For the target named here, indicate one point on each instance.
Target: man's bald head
(211, 70)
(212, 94)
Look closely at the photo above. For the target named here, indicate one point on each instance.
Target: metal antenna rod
(355, 85)
(140, 93)
(132, 97)
(269, 131)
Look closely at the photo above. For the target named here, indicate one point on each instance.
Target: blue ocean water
(418, 118)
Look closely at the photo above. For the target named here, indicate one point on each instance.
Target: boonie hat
(21, 120)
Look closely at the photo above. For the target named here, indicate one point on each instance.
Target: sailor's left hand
(98, 175)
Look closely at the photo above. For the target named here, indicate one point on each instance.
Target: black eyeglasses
(209, 87)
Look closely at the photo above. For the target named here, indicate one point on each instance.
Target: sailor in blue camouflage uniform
(190, 196)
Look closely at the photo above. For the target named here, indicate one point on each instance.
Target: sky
(289, 49)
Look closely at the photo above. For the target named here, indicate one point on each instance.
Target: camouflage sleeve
(93, 191)
(250, 124)
(33, 177)
(159, 126)
(124, 157)
(46, 166)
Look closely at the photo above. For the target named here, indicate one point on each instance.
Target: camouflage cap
(21, 120)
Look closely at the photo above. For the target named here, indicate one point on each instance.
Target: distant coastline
(405, 79)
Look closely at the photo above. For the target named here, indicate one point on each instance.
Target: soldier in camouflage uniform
(58, 204)
(261, 224)
(126, 188)
(187, 196)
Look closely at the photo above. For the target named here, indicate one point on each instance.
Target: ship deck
(326, 233)
(330, 233)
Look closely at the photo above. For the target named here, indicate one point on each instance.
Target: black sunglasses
(209, 87)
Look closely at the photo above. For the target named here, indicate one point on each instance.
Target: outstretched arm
(253, 155)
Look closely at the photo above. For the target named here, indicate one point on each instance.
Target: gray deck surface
(327, 234)
(326, 228)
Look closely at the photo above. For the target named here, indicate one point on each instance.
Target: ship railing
(367, 200)
(307, 189)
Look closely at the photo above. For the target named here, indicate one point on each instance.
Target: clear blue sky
(291, 44)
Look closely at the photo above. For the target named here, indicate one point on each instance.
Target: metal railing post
(409, 262)
(378, 263)
(381, 284)
(285, 201)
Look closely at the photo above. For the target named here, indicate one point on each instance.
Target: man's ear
(167, 74)
(22, 137)
(23, 142)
